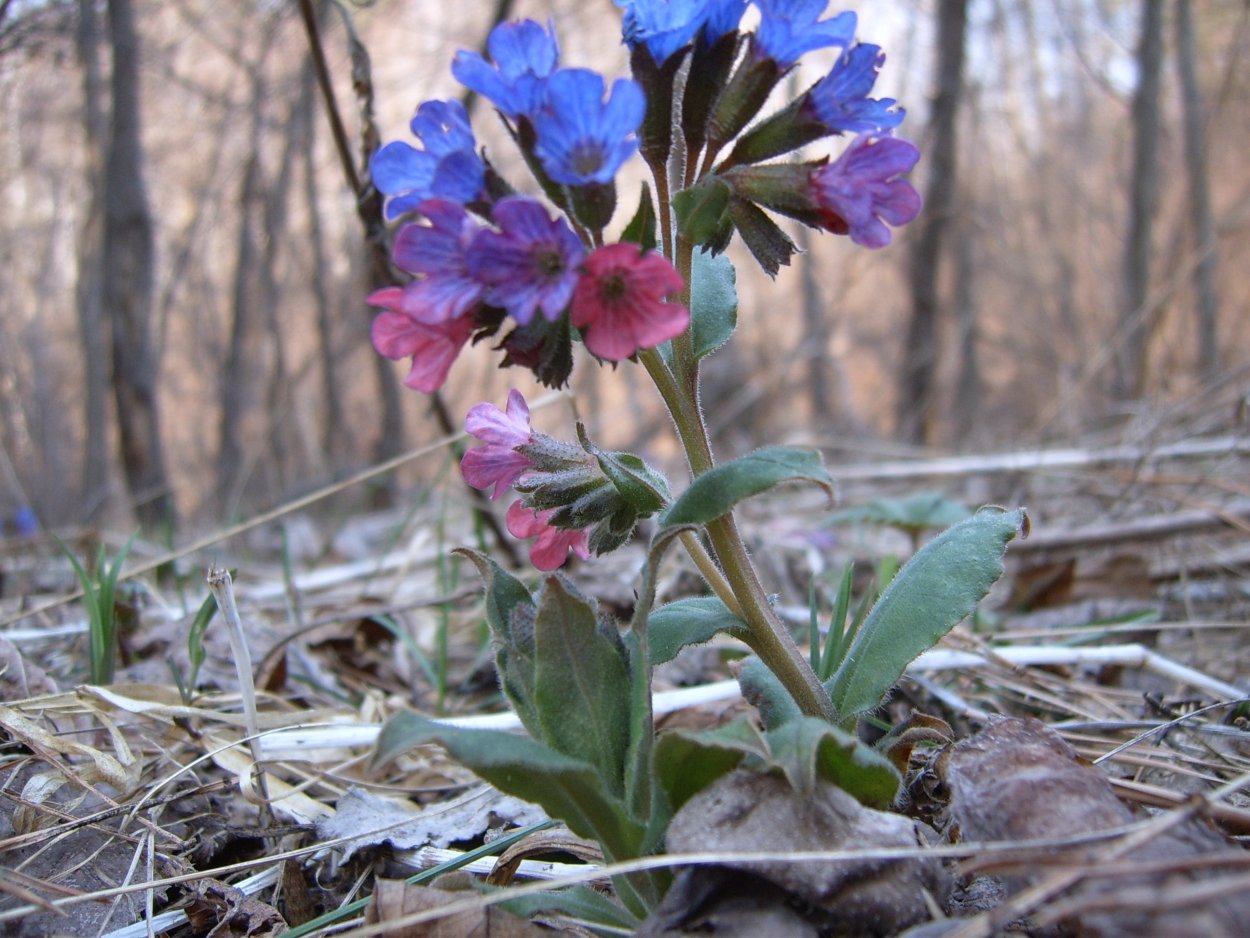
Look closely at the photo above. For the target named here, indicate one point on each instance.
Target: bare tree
(919, 370)
(91, 325)
(128, 282)
(1206, 306)
(1136, 316)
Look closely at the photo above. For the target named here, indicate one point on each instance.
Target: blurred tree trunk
(89, 288)
(237, 387)
(128, 282)
(969, 383)
(917, 379)
(1206, 298)
(1128, 377)
(337, 439)
(281, 433)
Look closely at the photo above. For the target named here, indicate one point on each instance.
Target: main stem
(769, 637)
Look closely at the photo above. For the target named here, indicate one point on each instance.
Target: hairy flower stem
(769, 637)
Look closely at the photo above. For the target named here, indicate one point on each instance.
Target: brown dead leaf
(746, 811)
(218, 910)
(1018, 780)
(394, 899)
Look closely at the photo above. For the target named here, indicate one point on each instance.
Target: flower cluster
(540, 275)
(573, 499)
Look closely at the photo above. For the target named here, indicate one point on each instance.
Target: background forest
(183, 332)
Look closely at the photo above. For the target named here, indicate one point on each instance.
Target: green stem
(770, 639)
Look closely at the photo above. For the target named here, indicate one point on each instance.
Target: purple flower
(447, 167)
(619, 302)
(790, 28)
(431, 318)
(447, 289)
(840, 100)
(530, 263)
(524, 54)
(861, 190)
(582, 139)
(552, 545)
(497, 463)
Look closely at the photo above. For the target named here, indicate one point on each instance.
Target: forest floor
(1122, 623)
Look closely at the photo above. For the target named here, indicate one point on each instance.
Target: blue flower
(447, 167)
(840, 100)
(582, 139)
(790, 28)
(721, 17)
(530, 263)
(524, 55)
(665, 26)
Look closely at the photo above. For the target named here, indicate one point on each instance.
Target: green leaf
(763, 690)
(713, 302)
(510, 612)
(641, 228)
(691, 621)
(938, 587)
(581, 683)
(504, 594)
(809, 748)
(701, 209)
(643, 488)
(918, 512)
(564, 787)
(687, 761)
(717, 491)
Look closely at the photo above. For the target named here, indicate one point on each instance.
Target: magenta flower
(497, 463)
(619, 301)
(860, 192)
(530, 263)
(433, 346)
(552, 546)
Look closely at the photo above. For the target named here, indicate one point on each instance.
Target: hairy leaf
(566, 788)
(808, 748)
(717, 491)
(690, 621)
(581, 683)
(938, 587)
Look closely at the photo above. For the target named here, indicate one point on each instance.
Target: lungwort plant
(538, 278)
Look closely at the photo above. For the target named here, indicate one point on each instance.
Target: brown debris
(1019, 781)
(746, 811)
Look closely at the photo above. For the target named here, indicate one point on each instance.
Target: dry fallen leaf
(1018, 780)
(747, 811)
(394, 899)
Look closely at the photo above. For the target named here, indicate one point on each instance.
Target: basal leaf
(808, 748)
(763, 690)
(581, 683)
(687, 761)
(717, 491)
(938, 587)
(691, 621)
(566, 788)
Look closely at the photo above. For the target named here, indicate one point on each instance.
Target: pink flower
(619, 301)
(860, 191)
(552, 546)
(497, 463)
(433, 346)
